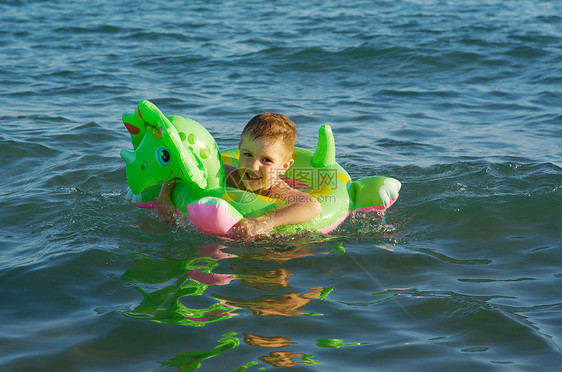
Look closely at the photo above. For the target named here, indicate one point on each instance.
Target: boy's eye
(247, 154)
(267, 160)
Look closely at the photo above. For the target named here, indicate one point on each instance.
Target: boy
(266, 149)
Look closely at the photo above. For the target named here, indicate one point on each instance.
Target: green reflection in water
(164, 282)
(191, 360)
(339, 248)
(336, 343)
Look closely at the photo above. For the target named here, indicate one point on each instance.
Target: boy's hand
(248, 228)
(166, 210)
(164, 204)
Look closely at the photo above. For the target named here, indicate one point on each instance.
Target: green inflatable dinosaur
(176, 147)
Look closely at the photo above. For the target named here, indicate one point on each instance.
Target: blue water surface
(460, 101)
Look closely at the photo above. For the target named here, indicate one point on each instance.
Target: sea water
(459, 100)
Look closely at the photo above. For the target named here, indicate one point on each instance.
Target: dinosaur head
(151, 163)
(169, 147)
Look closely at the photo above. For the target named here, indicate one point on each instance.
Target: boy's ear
(287, 165)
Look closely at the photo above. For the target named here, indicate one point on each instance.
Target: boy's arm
(302, 207)
(164, 205)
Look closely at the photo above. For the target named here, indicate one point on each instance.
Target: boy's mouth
(252, 178)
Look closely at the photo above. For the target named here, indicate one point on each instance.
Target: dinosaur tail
(373, 194)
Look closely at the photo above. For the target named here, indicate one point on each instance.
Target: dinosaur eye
(163, 156)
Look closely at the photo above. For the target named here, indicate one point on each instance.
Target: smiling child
(266, 148)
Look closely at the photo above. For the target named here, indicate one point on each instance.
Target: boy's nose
(256, 165)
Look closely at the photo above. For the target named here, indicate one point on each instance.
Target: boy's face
(261, 163)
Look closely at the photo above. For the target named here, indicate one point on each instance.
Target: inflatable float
(176, 147)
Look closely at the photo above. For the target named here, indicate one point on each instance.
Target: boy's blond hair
(273, 127)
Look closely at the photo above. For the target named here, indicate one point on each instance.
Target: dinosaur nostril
(143, 166)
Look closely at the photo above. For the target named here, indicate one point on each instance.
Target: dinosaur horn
(128, 156)
(135, 126)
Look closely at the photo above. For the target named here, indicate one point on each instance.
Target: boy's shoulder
(231, 174)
